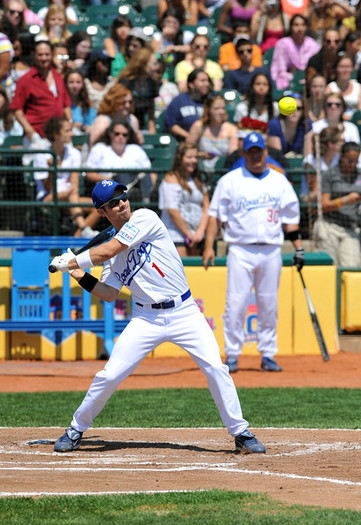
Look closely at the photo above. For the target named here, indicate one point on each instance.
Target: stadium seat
(36, 5)
(297, 83)
(134, 16)
(267, 57)
(13, 141)
(356, 119)
(160, 148)
(103, 15)
(97, 34)
(150, 13)
(232, 98)
(213, 19)
(295, 171)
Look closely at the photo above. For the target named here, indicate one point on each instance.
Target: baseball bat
(102, 236)
(315, 323)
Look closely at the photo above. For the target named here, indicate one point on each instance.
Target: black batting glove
(299, 258)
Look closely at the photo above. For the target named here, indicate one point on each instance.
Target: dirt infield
(342, 371)
(313, 467)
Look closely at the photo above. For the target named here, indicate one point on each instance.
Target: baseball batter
(143, 258)
(255, 205)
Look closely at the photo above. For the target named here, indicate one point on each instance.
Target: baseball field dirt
(311, 467)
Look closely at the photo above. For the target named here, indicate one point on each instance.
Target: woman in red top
(40, 94)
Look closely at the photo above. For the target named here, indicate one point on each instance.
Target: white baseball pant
(248, 266)
(183, 325)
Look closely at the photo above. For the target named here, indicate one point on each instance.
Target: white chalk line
(94, 429)
(230, 468)
(195, 468)
(99, 493)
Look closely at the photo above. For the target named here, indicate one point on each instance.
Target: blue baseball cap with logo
(254, 140)
(104, 191)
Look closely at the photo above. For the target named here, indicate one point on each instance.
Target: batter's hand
(61, 261)
(208, 256)
(299, 259)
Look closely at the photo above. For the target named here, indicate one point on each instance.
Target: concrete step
(350, 343)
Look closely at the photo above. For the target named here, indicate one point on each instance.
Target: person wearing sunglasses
(142, 257)
(347, 86)
(197, 58)
(331, 142)
(291, 133)
(228, 57)
(240, 79)
(335, 107)
(323, 61)
(14, 12)
(118, 150)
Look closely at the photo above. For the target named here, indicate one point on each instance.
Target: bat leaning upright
(103, 236)
(315, 323)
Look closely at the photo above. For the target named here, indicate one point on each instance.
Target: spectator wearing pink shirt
(292, 52)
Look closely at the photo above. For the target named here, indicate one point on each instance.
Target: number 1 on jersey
(158, 269)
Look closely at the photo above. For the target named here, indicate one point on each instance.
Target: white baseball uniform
(253, 210)
(152, 270)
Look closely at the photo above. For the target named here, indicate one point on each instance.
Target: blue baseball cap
(104, 191)
(254, 140)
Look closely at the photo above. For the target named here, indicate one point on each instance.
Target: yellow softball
(287, 105)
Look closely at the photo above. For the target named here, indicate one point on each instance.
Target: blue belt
(168, 304)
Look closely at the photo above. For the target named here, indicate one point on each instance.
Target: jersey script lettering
(136, 259)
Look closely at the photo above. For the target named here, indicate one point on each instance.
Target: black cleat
(69, 441)
(247, 443)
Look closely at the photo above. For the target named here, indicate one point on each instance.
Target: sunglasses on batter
(115, 200)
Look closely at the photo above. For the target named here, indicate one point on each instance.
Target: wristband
(83, 260)
(88, 282)
(294, 236)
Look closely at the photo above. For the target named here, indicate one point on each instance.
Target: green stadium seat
(267, 57)
(103, 15)
(160, 149)
(97, 34)
(134, 16)
(232, 98)
(13, 141)
(297, 83)
(356, 119)
(213, 19)
(150, 13)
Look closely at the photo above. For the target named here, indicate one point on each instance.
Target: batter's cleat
(232, 363)
(269, 365)
(69, 441)
(247, 443)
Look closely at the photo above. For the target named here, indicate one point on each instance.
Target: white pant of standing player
(248, 266)
(183, 325)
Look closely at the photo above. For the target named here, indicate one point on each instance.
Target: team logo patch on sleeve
(128, 232)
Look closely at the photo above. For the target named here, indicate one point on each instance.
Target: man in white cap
(256, 205)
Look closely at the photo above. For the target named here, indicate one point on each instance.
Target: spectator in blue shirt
(240, 79)
(186, 108)
(82, 110)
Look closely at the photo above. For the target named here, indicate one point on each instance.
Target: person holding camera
(269, 24)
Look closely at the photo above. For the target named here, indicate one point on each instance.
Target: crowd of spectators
(172, 75)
